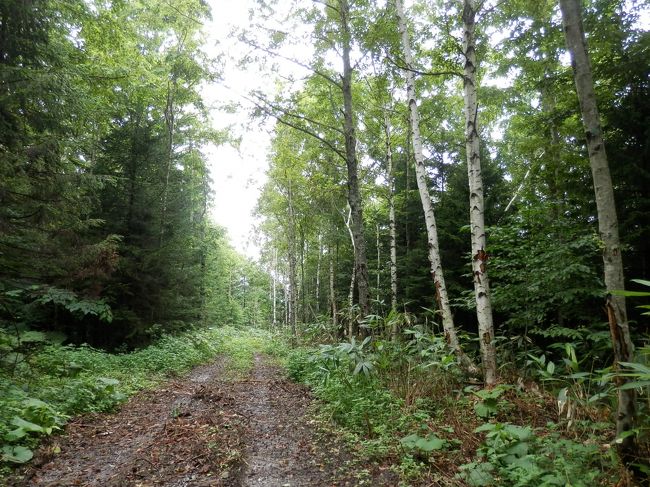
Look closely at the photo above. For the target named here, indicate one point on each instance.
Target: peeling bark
(442, 298)
(391, 218)
(476, 201)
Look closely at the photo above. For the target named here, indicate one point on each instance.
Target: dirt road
(203, 430)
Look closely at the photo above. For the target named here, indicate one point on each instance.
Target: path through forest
(209, 428)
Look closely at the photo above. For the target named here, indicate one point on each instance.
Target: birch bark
(391, 216)
(476, 202)
(420, 171)
(293, 284)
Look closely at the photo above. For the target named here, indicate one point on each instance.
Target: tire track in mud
(205, 429)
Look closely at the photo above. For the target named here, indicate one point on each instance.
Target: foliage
(514, 455)
(488, 404)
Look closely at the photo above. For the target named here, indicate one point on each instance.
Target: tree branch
(424, 73)
(294, 61)
(268, 109)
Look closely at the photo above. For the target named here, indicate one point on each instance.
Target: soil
(205, 429)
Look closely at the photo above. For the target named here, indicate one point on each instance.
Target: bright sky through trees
(237, 174)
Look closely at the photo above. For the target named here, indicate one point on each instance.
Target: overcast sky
(237, 174)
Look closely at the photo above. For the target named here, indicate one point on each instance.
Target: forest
(453, 235)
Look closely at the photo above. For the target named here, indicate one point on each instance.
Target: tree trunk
(442, 298)
(476, 204)
(352, 325)
(378, 262)
(303, 282)
(293, 285)
(607, 219)
(391, 218)
(170, 125)
(354, 194)
(318, 265)
(273, 276)
(332, 291)
(332, 297)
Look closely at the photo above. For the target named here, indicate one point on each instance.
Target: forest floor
(212, 427)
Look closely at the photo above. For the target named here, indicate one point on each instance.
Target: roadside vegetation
(49, 382)
(406, 403)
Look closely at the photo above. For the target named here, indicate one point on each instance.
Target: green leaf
(578, 375)
(631, 294)
(483, 410)
(635, 385)
(519, 449)
(16, 434)
(521, 433)
(485, 427)
(642, 282)
(35, 403)
(636, 366)
(32, 337)
(16, 454)
(550, 368)
(430, 443)
(27, 425)
(409, 441)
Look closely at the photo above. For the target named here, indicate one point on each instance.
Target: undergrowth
(52, 382)
(405, 403)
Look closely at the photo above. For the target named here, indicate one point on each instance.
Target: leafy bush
(514, 455)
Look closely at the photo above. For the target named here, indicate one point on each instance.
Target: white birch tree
(476, 203)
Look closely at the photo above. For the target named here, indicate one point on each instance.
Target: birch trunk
(354, 194)
(378, 262)
(352, 326)
(607, 219)
(293, 285)
(303, 282)
(420, 171)
(318, 264)
(332, 296)
(275, 290)
(391, 218)
(476, 203)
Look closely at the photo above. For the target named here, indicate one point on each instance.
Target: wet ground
(205, 429)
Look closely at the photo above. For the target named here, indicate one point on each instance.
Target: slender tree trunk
(378, 262)
(303, 282)
(170, 124)
(607, 219)
(420, 171)
(407, 185)
(293, 285)
(354, 194)
(476, 203)
(274, 276)
(287, 300)
(318, 265)
(391, 218)
(332, 291)
(352, 325)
